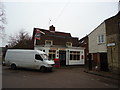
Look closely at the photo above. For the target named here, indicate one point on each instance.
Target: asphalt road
(59, 78)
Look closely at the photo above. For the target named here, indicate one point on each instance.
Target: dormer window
(48, 42)
(68, 44)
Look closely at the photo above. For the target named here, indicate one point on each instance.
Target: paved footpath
(104, 74)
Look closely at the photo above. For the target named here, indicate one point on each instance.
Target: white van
(33, 59)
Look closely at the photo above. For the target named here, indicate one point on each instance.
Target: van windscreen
(44, 56)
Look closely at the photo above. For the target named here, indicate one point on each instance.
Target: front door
(62, 57)
(103, 62)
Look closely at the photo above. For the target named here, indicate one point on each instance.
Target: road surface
(59, 78)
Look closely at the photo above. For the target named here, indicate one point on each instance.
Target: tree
(2, 20)
(22, 40)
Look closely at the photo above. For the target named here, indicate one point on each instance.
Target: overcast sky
(78, 17)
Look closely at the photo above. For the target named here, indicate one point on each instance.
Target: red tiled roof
(54, 33)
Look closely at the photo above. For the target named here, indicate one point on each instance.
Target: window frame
(101, 39)
(69, 44)
(51, 42)
(52, 54)
(40, 58)
(75, 55)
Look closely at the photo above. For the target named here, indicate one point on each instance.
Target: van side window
(38, 57)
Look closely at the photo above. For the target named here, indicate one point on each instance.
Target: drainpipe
(90, 61)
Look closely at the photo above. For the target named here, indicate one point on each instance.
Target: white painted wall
(68, 61)
(75, 62)
(94, 46)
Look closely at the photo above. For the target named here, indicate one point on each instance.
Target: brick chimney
(52, 28)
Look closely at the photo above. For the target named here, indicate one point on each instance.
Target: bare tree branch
(22, 40)
(2, 20)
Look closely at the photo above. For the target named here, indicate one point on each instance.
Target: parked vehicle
(3, 63)
(33, 59)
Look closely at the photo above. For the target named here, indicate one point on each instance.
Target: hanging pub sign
(38, 34)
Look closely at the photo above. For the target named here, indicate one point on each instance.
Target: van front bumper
(49, 68)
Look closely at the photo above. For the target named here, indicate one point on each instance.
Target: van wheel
(13, 66)
(42, 69)
(51, 69)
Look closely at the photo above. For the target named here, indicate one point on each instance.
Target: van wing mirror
(41, 59)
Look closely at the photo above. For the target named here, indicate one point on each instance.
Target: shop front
(66, 55)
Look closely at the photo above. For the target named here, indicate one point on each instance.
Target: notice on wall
(110, 44)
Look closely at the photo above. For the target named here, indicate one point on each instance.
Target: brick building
(59, 45)
(83, 42)
(113, 42)
(97, 47)
(104, 44)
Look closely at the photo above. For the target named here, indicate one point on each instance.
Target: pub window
(74, 55)
(48, 42)
(52, 54)
(68, 44)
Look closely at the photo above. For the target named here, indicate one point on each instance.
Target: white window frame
(69, 44)
(101, 39)
(51, 42)
(75, 55)
(52, 54)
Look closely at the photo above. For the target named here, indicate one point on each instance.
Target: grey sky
(77, 17)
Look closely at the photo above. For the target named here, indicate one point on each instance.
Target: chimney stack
(52, 28)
